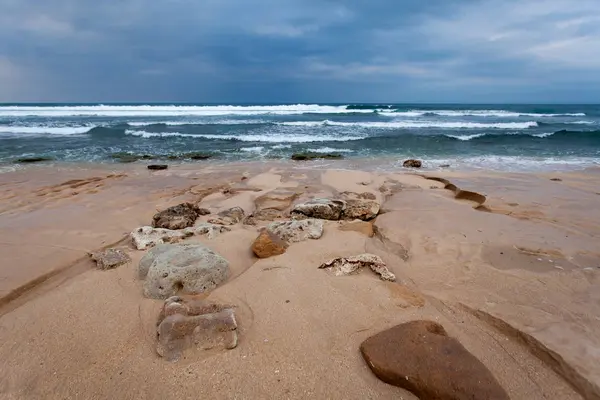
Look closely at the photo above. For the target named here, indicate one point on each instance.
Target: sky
(260, 51)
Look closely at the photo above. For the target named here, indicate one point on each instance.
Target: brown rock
(412, 164)
(157, 167)
(419, 356)
(180, 216)
(268, 244)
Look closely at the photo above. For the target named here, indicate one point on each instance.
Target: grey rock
(351, 265)
(229, 217)
(297, 231)
(320, 208)
(146, 236)
(189, 268)
(110, 258)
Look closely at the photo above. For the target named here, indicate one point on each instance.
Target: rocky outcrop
(412, 164)
(315, 156)
(146, 236)
(183, 324)
(268, 244)
(360, 209)
(351, 265)
(319, 208)
(420, 357)
(297, 231)
(189, 268)
(180, 216)
(110, 258)
(229, 217)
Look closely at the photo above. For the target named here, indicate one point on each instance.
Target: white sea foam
(330, 150)
(282, 146)
(171, 110)
(270, 138)
(198, 122)
(418, 124)
(478, 113)
(51, 130)
(466, 137)
(256, 149)
(543, 135)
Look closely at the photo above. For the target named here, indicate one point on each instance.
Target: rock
(157, 167)
(350, 265)
(315, 156)
(297, 231)
(191, 268)
(420, 357)
(268, 244)
(360, 209)
(412, 164)
(177, 217)
(366, 228)
(190, 156)
(229, 217)
(125, 157)
(183, 324)
(556, 179)
(445, 166)
(320, 208)
(146, 236)
(203, 211)
(110, 258)
(29, 160)
(367, 196)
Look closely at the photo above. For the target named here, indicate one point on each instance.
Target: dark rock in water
(184, 323)
(190, 156)
(25, 160)
(110, 258)
(445, 166)
(180, 216)
(412, 164)
(157, 167)
(315, 156)
(268, 244)
(420, 357)
(124, 157)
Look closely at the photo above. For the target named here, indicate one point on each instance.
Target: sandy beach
(507, 263)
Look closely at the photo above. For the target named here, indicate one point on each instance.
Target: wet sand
(515, 279)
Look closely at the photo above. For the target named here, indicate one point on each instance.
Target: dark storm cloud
(299, 50)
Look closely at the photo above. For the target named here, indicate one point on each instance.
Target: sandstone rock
(191, 268)
(177, 217)
(110, 258)
(366, 228)
(360, 209)
(412, 164)
(268, 244)
(183, 324)
(420, 357)
(146, 236)
(320, 208)
(157, 167)
(229, 217)
(297, 231)
(350, 265)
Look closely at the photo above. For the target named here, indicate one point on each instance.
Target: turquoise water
(496, 136)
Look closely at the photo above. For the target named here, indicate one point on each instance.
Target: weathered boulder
(320, 208)
(184, 323)
(420, 357)
(297, 231)
(180, 216)
(110, 258)
(360, 209)
(268, 244)
(229, 217)
(412, 164)
(191, 268)
(157, 167)
(350, 265)
(146, 236)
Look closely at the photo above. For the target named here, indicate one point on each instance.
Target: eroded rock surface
(146, 236)
(183, 324)
(297, 231)
(180, 216)
(268, 244)
(360, 209)
(229, 217)
(419, 356)
(110, 258)
(320, 208)
(189, 268)
(351, 265)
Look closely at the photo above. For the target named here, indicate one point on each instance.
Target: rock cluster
(351, 265)
(146, 236)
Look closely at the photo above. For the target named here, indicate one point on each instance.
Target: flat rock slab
(189, 268)
(420, 357)
(146, 236)
(319, 208)
(110, 258)
(352, 265)
(297, 231)
(180, 216)
(187, 323)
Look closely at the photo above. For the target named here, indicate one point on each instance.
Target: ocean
(495, 137)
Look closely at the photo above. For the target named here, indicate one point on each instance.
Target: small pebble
(559, 267)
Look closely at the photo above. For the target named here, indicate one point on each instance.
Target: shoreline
(525, 257)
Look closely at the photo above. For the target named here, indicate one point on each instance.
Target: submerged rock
(110, 258)
(190, 156)
(124, 157)
(183, 324)
(147, 236)
(189, 268)
(29, 160)
(350, 265)
(316, 156)
(320, 208)
(268, 244)
(229, 217)
(420, 357)
(412, 164)
(297, 231)
(177, 217)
